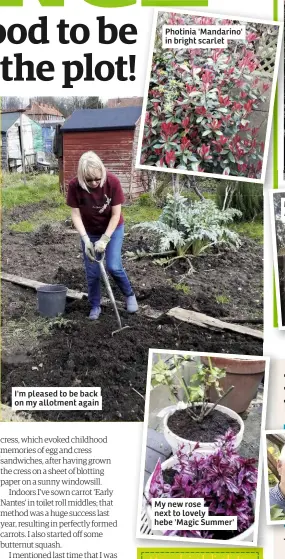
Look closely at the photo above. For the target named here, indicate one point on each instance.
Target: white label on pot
(175, 514)
(56, 398)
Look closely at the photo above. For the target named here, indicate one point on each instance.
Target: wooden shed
(113, 135)
(11, 140)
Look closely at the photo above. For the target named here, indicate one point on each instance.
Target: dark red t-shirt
(96, 205)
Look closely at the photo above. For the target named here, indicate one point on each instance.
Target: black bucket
(51, 300)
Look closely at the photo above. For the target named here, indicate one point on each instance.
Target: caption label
(56, 398)
(204, 36)
(187, 513)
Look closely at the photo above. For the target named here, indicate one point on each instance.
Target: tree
(12, 103)
(93, 103)
(66, 105)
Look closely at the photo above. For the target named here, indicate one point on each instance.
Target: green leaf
(194, 166)
(185, 68)
(276, 513)
(195, 93)
(231, 157)
(206, 133)
(212, 96)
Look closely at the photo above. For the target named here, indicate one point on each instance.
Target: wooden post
(22, 148)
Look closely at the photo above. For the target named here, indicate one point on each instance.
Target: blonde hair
(88, 164)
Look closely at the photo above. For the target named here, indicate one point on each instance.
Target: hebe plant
(200, 103)
(225, 480)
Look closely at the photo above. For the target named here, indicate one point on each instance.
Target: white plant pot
(247, 535)
(204, 448)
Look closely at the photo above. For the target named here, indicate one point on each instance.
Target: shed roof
(7, 120)
(102, 119)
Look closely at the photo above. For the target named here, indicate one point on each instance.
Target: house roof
(7, 120)
(102, 119)
(41, 109)
(125, 102)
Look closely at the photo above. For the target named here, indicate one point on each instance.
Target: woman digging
(95, 197)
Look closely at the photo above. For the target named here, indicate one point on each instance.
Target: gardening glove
(89, 248)
(100, 246)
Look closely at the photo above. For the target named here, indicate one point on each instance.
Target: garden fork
(99, 258)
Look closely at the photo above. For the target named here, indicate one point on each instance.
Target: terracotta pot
(244, 374)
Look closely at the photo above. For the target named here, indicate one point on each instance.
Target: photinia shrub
(200, 103)
(224, 479)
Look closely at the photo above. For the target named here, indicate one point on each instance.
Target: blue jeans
(114, 266)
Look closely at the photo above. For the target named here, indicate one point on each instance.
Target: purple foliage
(224, 479)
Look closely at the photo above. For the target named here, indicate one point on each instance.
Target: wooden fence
(266, 53)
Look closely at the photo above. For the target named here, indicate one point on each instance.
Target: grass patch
(24, 329)
(136, 214)
(182, 287)
(222, 299)
(191, 195)
(57, 214)
(251, 229)
(22, 227)
(38, 188)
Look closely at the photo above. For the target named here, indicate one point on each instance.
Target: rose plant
(197, 392)
(200, 103)
(225, 480)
